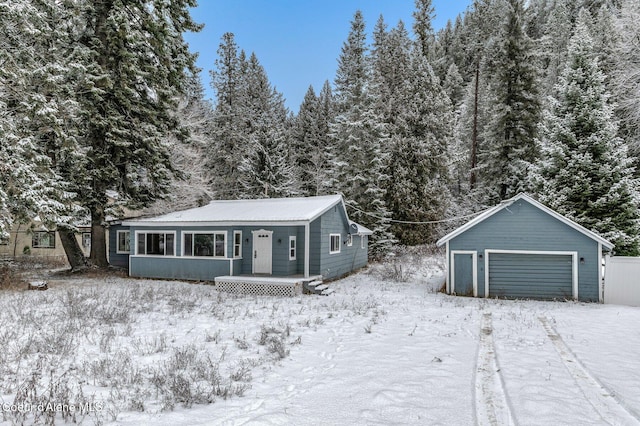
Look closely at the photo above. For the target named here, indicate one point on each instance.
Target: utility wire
(406, 222)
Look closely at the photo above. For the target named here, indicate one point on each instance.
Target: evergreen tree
(516, 112)
(360, 156)
(229, 139)
(419, 156)
(310, 141)
(266, 170)
(39, 118)
(587, 174)
(626, 77)
(134, 69)
(422, 26)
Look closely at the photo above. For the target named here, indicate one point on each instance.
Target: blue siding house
(522, 249)
(281, 237)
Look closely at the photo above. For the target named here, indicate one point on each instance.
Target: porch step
(317, 287)
(327, 291)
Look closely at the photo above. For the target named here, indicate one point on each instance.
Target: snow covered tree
(360, 157)
(515, 112)
(419, 155)
(626, 76)
(586, 174)
(422, 26)
(266, 169)
(134, 69)
(229, 139)
(39, 118)
(311, 143)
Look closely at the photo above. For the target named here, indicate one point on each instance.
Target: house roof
(503, 205)
(280, 210)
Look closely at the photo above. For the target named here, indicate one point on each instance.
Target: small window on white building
(124, 241)
(292, 248)
(335, 244)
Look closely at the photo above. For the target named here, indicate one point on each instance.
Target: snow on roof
(301, 209)
(507, 203)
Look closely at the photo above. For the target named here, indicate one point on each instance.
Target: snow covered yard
(378, 351)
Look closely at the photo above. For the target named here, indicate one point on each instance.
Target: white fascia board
(151, 224)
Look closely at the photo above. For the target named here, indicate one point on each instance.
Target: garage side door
(535, 276)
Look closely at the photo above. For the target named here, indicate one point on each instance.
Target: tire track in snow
(605, 404)
(491, 403)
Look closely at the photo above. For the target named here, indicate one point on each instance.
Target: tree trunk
(98, 254)
(75, 255)
(474, 136)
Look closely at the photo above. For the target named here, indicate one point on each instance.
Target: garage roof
(503, 205)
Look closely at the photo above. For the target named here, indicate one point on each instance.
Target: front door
(262, 251)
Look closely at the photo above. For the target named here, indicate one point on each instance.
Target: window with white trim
(349, 240)
(43, 239)
(156, 243)
(334, 246)
(362, 240)
(124, 241)
(292, 248)
(237, 244)
(204, 244)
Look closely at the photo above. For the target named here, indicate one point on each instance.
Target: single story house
(522, 249)
(283, 237)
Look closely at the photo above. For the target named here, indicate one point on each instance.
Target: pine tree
(266, 169)
(359, 159)
(516, 112)
(38, 115)
(135, 71)
(586, 174)
(422, 26)
(419, 156)
(229, 139)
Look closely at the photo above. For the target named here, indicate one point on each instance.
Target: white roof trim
(533, 202)
(360, 230)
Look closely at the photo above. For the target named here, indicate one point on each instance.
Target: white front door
(262, 251)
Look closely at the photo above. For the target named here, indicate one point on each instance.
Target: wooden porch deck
(265, 285)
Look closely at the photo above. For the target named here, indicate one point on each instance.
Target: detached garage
(522, 249)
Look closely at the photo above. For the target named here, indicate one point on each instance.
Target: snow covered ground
(377, 351)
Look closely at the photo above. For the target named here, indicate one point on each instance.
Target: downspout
(306, 250)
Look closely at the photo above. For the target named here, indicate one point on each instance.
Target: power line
(406, 222)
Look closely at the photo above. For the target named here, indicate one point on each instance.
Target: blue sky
(297, 41)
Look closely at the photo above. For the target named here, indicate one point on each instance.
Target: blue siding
(116, 259)
(350, 258)
(522, 226)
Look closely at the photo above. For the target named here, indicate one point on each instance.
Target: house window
(124, 241)
(349, 240)
(156, 243)
(335, 244)
(86, 240)
(209, 244)
(237, 244)
(362, 240)
(4, 240)
(43, 239)
(292, 248)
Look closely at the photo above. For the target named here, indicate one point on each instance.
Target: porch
(266, 285)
